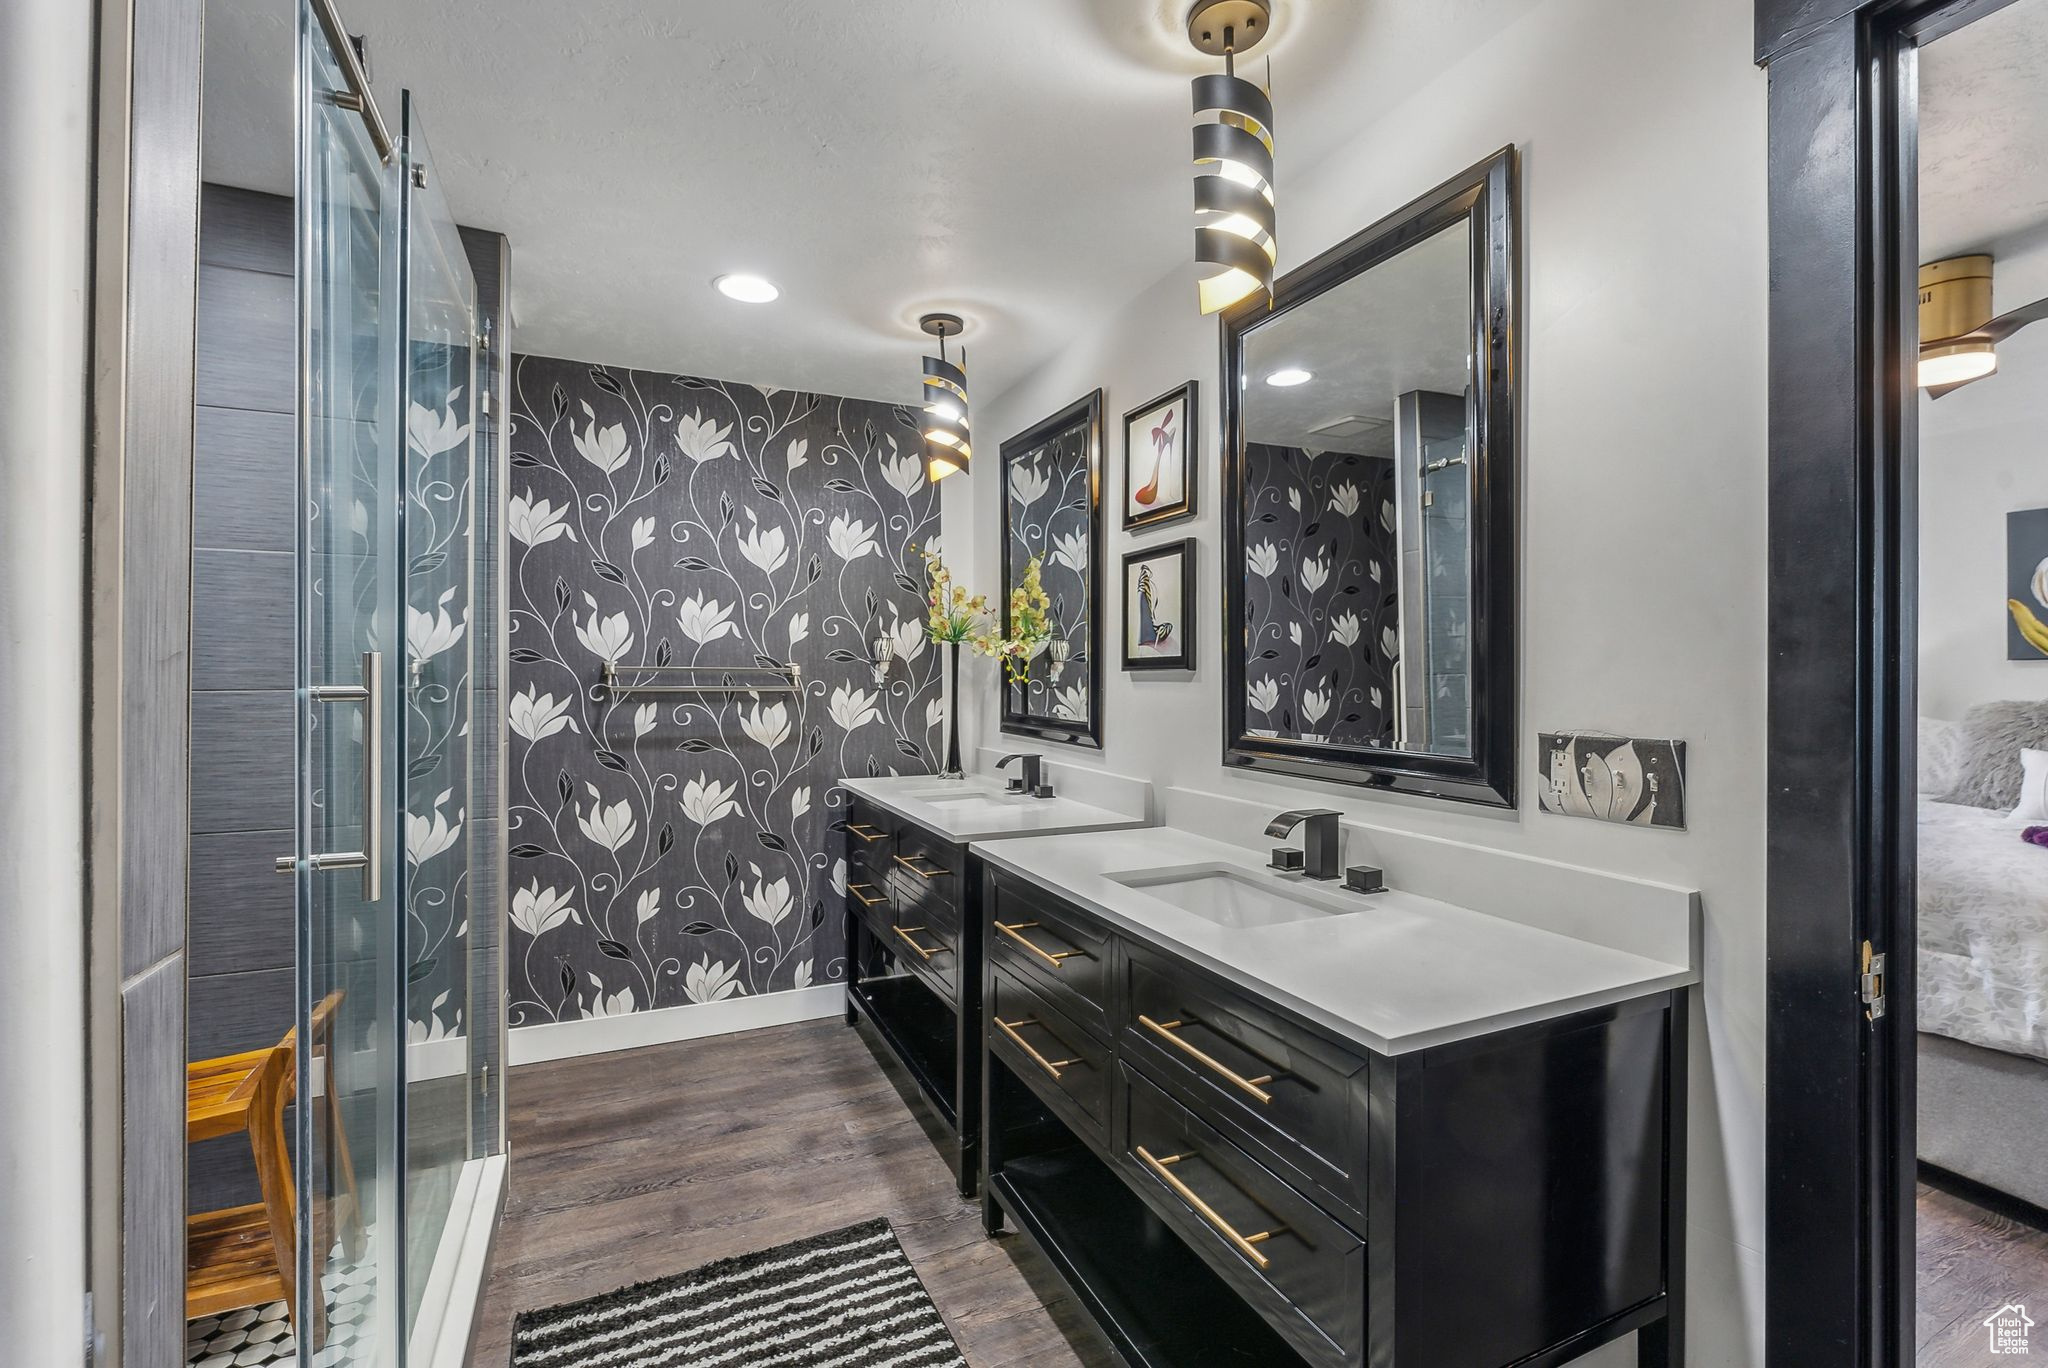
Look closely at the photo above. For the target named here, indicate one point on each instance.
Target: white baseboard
(443, 1058)
(663, 1025)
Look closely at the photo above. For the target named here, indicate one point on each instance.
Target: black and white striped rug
(849, 1299)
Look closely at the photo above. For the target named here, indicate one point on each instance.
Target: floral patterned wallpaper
(1323, 602)
(672, 849)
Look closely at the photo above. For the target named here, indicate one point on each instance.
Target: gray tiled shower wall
(243, 529)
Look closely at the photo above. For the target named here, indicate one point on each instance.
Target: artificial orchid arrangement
(957, 618)
(1030, 624)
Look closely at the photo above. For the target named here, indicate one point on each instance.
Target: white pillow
(2033, 787)
(1937, 755)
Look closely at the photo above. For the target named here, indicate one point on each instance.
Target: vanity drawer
(872, 904)
(1064, 954)
(1292, 1097)
(920, 854)
(870, 841)
(1300, 1269)
(926, 940)
(1060, 1061)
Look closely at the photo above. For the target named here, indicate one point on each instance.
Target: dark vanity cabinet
(1224, 1185)
(913, 945)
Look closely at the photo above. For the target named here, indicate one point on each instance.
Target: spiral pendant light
(946, 448)
(1234, 215)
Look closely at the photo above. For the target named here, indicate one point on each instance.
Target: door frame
(137, 713)
(1839, 1092)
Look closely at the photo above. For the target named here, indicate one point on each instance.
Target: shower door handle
(370, 859)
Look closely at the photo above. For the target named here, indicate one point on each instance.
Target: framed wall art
(2026, 584)
(1159, 607)
(1160, 442)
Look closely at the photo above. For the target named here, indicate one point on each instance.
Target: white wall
(1983, 454)
(46, 49)
(1642, 131)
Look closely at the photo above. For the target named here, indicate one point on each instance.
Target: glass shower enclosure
(399, 1121)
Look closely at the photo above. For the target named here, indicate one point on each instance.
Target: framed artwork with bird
(1160, 442)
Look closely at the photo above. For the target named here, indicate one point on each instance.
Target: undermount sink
(953, 795)
(974, 800)
(1237, 898)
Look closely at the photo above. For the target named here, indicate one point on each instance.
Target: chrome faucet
(1319, 859)
(1031, 776)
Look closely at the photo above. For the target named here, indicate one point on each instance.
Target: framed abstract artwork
(2026, 584)
(1160, 441)
(1622, 779)
(1159, 607)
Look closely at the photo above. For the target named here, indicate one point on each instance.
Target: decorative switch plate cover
(1612, 778)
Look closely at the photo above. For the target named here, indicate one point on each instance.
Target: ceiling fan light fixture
(1955, 301)
(1959, 337)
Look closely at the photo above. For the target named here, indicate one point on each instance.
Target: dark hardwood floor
(1972, 1262)
(650, 1162)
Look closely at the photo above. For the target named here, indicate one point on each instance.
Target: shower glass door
(350, 1103)
(439, 341)
(395, 1114)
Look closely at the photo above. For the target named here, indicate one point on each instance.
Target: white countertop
(1400, 973)
(977, 809)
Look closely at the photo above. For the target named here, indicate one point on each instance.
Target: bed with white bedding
(1983, 995)
(1983, 911)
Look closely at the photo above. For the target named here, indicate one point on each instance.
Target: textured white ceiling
(1984, 135)
(1022, 162)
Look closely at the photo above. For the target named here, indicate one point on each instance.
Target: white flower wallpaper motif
(684, 849)
(1322, 603)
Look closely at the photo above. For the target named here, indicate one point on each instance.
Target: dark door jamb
(1840, 1085)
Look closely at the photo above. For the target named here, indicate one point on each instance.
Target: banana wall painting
(1612, 778)
(2026, 584)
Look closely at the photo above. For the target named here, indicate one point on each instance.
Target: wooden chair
(248, 1255)
(245, 1255)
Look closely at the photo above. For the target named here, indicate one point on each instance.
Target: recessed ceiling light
(1291, 376)
(747, 289)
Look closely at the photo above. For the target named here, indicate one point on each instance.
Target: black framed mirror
(1369, 486)
(1052, 482)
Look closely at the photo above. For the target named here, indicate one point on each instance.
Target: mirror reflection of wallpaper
(1322, 605)
(672, 849)
(1048, 507)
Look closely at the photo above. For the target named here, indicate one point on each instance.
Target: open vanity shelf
(907, 937)
(1222, 1183)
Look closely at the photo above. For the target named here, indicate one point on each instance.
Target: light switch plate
(1623, 779)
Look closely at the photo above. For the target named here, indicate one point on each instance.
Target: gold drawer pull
(904, 933)
(1243, 1244)
(1165, 1031)
(909, 863)
(863, 899)
(1052, 957)
(865, 832)
(1051, 1066)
